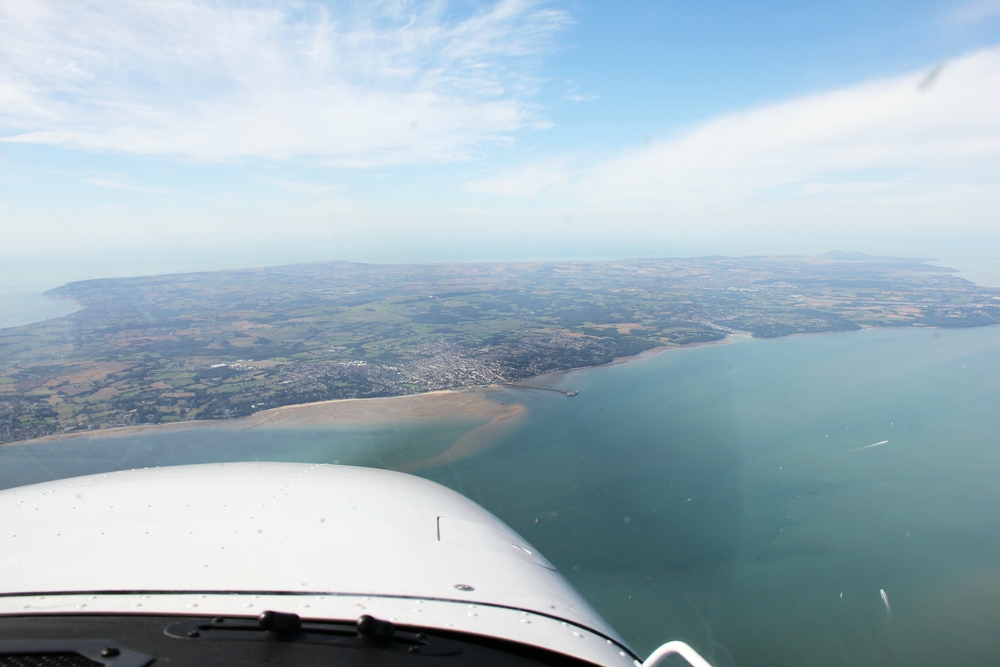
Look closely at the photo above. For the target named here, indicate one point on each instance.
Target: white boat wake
(877, 444)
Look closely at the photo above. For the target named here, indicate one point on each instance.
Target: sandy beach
(471, 403)
(432, 405)
(460, 404)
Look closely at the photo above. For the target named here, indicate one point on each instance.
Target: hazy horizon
(242, 135)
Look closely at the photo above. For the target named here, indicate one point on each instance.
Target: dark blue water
(727, 495)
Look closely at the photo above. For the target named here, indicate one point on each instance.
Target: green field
(230, 343)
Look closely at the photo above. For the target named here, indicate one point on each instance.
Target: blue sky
(178, 135)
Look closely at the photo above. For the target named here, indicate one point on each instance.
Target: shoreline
(464, 402)
(469, 402)
(651, 352)
(7, 295)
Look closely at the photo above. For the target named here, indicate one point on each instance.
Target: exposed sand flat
(469, 404)
(432, 405)
(454, 403)
(435, 404)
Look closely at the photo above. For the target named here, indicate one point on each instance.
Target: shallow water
(726, 495)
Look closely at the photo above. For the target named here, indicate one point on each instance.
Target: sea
(754, 498)
(23, 304)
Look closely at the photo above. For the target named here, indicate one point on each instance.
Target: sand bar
(460, 404)
(470, 404)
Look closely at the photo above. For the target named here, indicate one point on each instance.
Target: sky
(176, 135)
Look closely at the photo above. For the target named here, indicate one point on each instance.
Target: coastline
(467, 403)
(551, 378)
(463, 402)
(24, 308)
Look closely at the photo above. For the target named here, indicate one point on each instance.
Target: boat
(282, 564)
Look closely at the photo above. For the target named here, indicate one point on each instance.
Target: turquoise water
(727, 495)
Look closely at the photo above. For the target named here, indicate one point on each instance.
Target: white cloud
(312, 189)
(888, 137)
(875, 131)
(525, 182)
(575, 94)
(117, 182)
(368, 83)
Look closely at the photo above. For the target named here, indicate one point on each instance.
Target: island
(224, 344)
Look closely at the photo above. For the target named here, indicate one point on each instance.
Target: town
(230, 343)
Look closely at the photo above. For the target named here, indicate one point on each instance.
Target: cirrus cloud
(359, 84)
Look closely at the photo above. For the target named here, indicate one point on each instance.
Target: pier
(525, 386)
